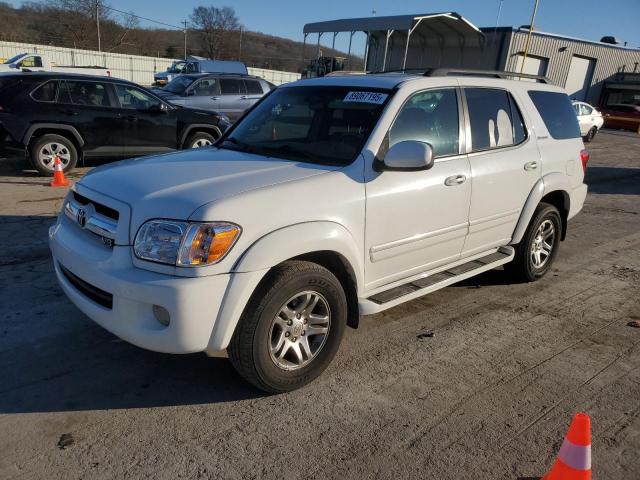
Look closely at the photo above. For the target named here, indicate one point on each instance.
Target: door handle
(214, 98)
(69, 112)
(530, 166)
(454, 180)
(132, 118)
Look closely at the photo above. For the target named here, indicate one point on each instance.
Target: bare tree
(213, 23)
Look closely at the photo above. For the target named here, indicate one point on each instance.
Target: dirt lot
(489, 396)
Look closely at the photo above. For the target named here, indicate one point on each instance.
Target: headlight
(185, 244)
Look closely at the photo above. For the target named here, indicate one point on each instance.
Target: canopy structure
(394, 36)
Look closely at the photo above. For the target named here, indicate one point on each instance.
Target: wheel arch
(200, 127)
(326, 243)
(553, 189)
(67, 131)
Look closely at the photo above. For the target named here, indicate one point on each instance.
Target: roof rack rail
(443, 72)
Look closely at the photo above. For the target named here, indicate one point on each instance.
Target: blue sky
(590, 19)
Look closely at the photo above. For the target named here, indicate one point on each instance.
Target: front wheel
(199, 140)
(537, 250)
(291, 328)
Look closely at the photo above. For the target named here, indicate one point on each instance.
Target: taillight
(584, 158)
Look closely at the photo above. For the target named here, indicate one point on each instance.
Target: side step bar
(417, 288)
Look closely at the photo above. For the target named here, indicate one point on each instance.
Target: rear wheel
(199, 140)
(44, 149)
(291, 328)
(590, 134)
(537, 250)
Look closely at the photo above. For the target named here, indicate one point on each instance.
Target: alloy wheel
(49, 151)
(299, 331)
(543, 243)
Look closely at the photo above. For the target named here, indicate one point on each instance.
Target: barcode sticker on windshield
(366, 97)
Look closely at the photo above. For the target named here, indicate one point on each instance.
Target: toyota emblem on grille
(81, 216)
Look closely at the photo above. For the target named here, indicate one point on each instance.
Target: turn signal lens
(207, 243)
(584, 158)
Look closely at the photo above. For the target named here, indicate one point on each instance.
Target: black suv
(79, 116)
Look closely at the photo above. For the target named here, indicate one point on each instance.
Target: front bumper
(193, 303)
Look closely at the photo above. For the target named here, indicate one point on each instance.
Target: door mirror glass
(409, 155)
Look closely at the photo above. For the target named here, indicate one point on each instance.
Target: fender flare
(202, 126)
(58, 126)
(270, 250)
(551, 182)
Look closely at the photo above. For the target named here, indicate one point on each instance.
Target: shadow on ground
(613, 180)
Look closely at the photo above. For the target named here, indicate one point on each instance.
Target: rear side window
(495, 119)
(231, 86)
(46, 92)
(253, 87)
(557, 114)
(92, 94)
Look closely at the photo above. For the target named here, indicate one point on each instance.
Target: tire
(259, 350)
(199, 140)
(43, 149)
(590, 134)
(527, 265)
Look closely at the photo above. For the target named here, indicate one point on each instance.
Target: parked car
(34, 62)
(623, 116)
(332, 198)
(195, 64)
(79, 116)
(228, 94)
(589, 119)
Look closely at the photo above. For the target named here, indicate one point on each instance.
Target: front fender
(270, 250)
(549, 183)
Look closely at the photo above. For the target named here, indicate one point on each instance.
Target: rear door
(505, 165)
(233, 97)
(91, 108)
(254, 92)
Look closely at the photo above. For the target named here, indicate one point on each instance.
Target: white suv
(332, 198)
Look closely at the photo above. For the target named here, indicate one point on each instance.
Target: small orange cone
(58, 174)
(574, 458)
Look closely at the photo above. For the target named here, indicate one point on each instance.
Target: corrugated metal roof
(449, 20)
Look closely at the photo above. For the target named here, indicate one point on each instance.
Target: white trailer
(33, 62)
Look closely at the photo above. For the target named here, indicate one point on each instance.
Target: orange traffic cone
(58, 174)
(574, 458)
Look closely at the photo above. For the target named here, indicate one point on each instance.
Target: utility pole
(526, 45)
(240, 52)
(185, 39)
(98, 23)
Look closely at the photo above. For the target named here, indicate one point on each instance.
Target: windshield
(327, 125)
(13, 59)
(177, 67)
(179, 84)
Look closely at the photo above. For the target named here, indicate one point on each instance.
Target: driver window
(585, 109)
(31, 61)
(131, 97)
(206, 87)
(431, 117)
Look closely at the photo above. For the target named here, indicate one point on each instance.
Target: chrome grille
(94, 217)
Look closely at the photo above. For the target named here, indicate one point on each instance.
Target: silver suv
(228, 94)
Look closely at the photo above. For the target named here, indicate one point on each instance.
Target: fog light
(162, 315)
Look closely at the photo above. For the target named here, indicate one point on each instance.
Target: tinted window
(253, 87)
(495, 119)
(31, 61)
(84, 93)
(431, 117)
(46, 92)
(206, 87)
(557, 114)
(231, 86)
(134, 98)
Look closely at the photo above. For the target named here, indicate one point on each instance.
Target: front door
(204, 94)
(505, 166)
(417, 221)
(150, 128)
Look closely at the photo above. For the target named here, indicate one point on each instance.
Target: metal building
(402, 42)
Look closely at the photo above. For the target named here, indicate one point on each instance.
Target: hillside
(50, 24)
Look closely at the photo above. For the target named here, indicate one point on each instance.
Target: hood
(161, 92)
(6, 68)
(174, 185)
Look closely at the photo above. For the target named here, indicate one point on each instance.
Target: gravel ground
(490, 395)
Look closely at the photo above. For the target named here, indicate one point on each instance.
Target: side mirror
(409, 155)
(159, 108)
(190, 93)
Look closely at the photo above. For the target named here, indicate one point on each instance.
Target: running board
(417, 288)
